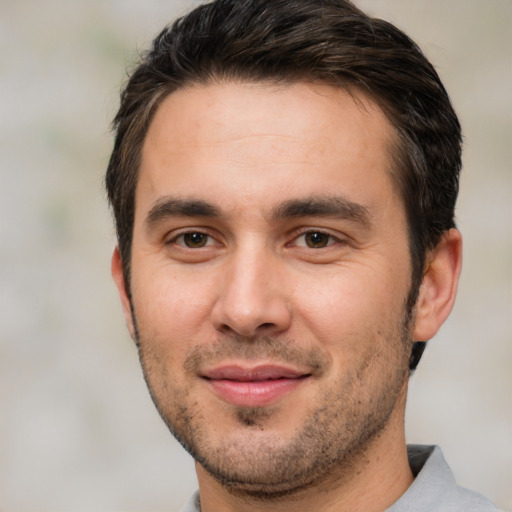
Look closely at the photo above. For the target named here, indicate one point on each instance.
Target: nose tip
(250, 304)
(248, 327)
(249, 323)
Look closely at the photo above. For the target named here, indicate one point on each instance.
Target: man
(283, 182)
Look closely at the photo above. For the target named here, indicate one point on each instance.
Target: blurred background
(78, 431)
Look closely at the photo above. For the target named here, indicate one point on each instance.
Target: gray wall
(77, 428)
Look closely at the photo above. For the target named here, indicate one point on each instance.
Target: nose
(252, 299)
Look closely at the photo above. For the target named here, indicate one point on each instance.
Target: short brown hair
(328, 41)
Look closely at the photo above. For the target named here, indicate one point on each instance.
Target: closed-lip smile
(253, 386)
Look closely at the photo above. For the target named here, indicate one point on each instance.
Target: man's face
(270, 269)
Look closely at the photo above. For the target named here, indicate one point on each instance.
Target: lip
(256, 386)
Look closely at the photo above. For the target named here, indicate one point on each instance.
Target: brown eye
(316, 239)
(195, 240)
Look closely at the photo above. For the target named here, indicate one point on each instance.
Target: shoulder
(434, 487)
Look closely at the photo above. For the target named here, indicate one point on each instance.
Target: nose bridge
(252, 297)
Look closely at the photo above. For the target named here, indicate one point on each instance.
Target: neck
(379, 475)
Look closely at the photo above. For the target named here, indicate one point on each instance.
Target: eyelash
(331, 240)
(174, 240)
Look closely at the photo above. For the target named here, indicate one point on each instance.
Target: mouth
(256, 386)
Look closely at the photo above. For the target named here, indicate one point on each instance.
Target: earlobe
(118, 276)
(439, 286)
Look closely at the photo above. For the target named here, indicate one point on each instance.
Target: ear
(439, 286)
(118, 275)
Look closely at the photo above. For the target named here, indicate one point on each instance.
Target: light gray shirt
(434, 488)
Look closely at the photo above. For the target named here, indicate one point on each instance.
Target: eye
(193, 240)
(315, 240)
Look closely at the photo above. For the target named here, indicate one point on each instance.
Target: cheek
(346, 298)
(170, 313)
(351, 313)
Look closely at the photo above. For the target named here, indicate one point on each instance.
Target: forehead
(265, 139)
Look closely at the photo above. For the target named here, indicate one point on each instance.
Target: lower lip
(253, 393)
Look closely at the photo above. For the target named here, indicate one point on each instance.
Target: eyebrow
(172, 207)
(337, 207)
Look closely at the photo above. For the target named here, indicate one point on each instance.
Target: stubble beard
(332, 440)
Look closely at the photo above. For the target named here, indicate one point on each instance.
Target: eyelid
(171, 238)
(337, 238)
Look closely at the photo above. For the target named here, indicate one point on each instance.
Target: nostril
(249, 314)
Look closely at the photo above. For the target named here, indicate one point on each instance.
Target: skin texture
(268, 234)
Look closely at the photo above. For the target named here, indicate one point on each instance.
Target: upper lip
(255, 373)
